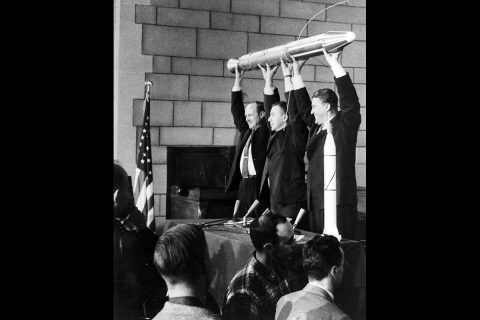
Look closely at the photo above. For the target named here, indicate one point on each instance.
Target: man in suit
(321, 114)
(284, 172)
(250, 154)
(323, 261)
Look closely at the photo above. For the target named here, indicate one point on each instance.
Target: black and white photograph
(239, 140)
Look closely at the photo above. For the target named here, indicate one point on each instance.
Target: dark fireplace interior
(196, 179)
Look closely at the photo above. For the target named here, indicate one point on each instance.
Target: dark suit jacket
(344, 129)
(258, 143)
(285, 151)
(310, 303)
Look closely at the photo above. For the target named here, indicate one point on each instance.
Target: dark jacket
(137, 282)
(259, 143)
(344, 129)
(285, 151)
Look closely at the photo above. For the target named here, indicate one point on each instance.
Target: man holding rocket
(322, 116)
(250, 153)
(283, 179)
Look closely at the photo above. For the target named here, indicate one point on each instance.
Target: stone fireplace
(196, 179)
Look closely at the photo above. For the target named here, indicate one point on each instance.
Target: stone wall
(190, 42)
(129, 73)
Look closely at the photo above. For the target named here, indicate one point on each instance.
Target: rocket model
(301, 49)
(330, 186)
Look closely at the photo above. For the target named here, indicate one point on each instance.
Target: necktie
(245, 157)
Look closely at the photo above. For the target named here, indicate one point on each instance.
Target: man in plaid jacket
(256, 288)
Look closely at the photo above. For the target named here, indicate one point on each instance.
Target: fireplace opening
(196, 179)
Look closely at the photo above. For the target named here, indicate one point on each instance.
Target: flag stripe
(141, 198)
(149, 190)
(150, 218)
(143, 188)
(137, 173)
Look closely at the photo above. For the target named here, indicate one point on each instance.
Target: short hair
(281, 104)
(124, 199)
(120, 177)
(327, 95)
(320, 254)
(260, 106)
(264, 229)
(180, 252)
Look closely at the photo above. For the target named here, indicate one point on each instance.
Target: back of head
(120, 177)
(320, 254)
(327, 96)
(260, 106)
(123, 196)
(179, 254)
(264, 230)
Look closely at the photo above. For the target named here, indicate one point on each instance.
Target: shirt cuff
(236, 88)
(297, 82)
(338, 71)
(288, 85)
(268, 90)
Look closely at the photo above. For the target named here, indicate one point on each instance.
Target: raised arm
(299, 127)
(347, 95)
(237, 108)
(302, 98)
(270, 93)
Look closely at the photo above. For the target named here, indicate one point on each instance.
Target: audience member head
(122, 194)
(323, 258)
(254, 112)
(180, 254)
(324, 101)
(272, 234)
(278, 116)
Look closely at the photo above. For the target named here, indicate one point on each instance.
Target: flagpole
(148, 83)
(144, 176)
(146, 91)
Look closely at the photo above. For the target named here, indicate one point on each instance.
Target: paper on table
(298, 237)
(238, 223)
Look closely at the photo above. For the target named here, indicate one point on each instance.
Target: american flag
(143, 187)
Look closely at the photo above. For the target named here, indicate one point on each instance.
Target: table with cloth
(230, 248)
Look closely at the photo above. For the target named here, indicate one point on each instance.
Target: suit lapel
(280, 134)
(315, 138)
(270, 140)
(245, 138)
(249, 131)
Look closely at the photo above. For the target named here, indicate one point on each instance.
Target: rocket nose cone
(350, 36)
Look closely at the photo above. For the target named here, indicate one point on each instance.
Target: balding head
(254, 112)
